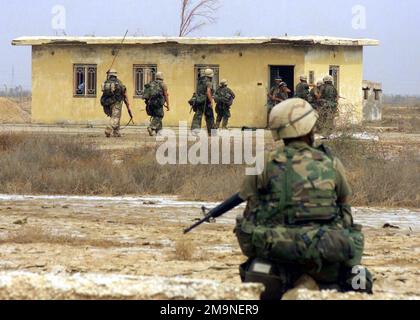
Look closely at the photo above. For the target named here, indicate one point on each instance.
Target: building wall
(350, 61)
(372, 106)
(246, 68)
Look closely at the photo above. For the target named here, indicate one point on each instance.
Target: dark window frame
(311, 77)
(335, 72)
(85, 80)
(139, 70)
(366, 93)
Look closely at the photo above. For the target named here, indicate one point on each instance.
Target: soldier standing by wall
(284, 92)
(114, 94)
(156, 97)
(224, 97)
(329, 98)
(273, 95)
(316, 102)
(204, 103)
(315, 95)
(302, 89)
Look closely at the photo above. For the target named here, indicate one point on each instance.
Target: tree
(197, 14)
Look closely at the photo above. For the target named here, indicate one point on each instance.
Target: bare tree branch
(197, 14)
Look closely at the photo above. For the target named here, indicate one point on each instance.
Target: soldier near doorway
(316, 102)
(274, 94)
(113, 97)
(329, 105)
(315, 95)
(302, 89)
(156, 97)
(224, 97)
(203, 103)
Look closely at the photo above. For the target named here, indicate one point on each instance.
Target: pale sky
(396, 63)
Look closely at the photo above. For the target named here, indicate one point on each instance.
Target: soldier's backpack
(315, 245)
(112, 92)
(296, 219)
(224, 96)
(153, 92)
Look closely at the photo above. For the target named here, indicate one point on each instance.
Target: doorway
(287, 73)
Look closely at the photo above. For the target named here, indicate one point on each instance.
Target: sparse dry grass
(67, 165)
(184, 250)
(376, 180)
(404, 118)
(35, 234)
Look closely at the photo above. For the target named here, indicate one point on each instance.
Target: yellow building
(67, 72)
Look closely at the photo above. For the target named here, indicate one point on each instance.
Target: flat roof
(292, 40)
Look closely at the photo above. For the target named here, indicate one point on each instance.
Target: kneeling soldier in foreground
(298, 220)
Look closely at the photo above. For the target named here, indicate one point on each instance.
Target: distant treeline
(401, 99)
(15, 92)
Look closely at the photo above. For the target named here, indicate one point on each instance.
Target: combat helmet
(292, 118)
(328, 79)
(303, 78)
(319, 83)
(224, 82)
(112, 72)
(159, 75)
(209, 73)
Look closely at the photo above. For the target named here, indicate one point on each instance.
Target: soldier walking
(114, 94)
(204, 103)
(224, 97)
(156, 97)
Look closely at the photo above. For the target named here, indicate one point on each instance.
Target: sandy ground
(133, 248)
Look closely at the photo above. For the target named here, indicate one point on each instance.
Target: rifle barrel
(220, 210)
(195, 225)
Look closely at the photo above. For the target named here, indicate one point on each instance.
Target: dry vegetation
(35, 234)
(377, 181)
(68, 165)
(184, 250)
(405, 118)
(65, 165)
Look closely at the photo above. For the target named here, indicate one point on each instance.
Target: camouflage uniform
(116, 109)
(293, 203)
(156, 108)
(302, 91)
(205, 109)
(328, 110)
(278, 92)
(223, 109)
(313, 97)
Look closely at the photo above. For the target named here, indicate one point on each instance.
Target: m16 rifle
(220, 210)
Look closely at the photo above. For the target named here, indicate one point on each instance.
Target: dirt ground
(133, 248)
